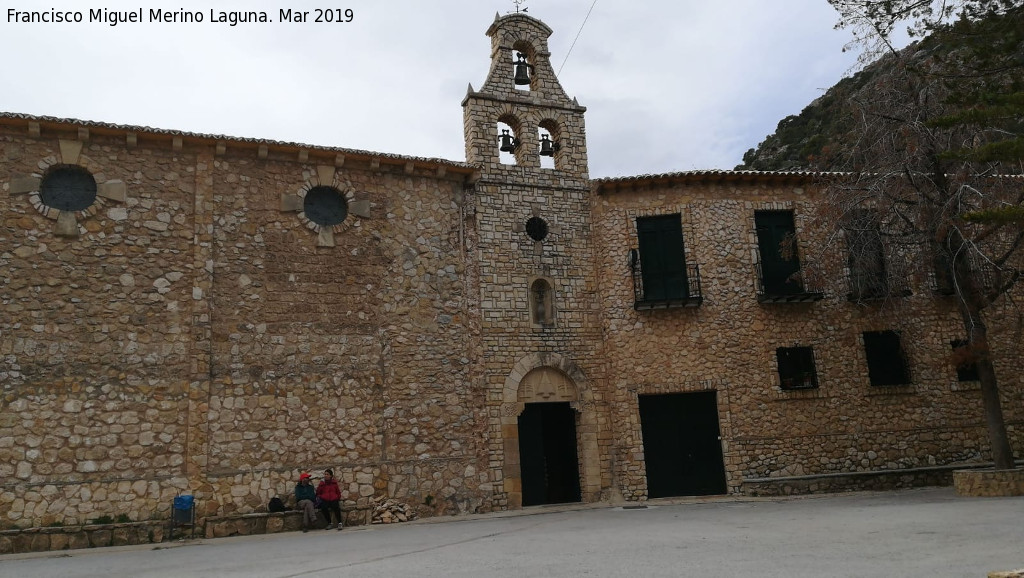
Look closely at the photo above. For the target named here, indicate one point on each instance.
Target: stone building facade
(844, 431)
(216, 315)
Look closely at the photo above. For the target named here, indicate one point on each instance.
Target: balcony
(799, 380)
(978, 278)
(869, 287)
(665, 290)
(785, 285)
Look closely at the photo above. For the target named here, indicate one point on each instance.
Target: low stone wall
(248, 524)
(989, 483)
(259, 523)
(849, 482)
(156, 531)
(78, 537)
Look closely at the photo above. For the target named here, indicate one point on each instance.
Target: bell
(523, 67)
(547, 148)
(509, 143)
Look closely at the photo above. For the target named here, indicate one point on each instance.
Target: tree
(935, 161)
(874, 22)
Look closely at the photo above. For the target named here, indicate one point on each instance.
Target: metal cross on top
(519, 3)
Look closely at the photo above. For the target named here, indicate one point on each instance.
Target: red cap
(304, 477)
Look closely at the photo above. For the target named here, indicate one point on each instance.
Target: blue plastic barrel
(183, 502)
(183, 509)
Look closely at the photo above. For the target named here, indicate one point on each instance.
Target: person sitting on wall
(329, 494)
(305, 496)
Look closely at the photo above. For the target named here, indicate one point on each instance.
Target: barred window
(965, 370)
(796, 368)
(887, 363)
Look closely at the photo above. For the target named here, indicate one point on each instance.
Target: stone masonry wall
(350, 356)
(728, 345)
(197, 337)
(507, 333)
(94, 338)
(509, 260)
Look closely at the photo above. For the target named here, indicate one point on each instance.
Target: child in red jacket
(329, 494)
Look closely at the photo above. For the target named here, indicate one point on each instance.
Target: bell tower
(523, 97)
(539, 310)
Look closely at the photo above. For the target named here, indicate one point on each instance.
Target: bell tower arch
(535, 268)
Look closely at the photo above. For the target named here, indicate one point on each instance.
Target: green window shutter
(774, 229)
(662, 257)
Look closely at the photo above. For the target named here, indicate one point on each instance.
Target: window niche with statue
(542, 303)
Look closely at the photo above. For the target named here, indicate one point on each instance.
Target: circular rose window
(325, 206)
(537, 228)
(68, 188)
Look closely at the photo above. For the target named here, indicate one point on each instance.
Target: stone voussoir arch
(510, 116)
(510, 393)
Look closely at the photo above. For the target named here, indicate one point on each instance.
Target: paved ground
(920, 533)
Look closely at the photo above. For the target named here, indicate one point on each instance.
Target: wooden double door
(682, 444)
(548, 459)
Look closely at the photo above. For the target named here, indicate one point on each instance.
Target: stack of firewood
(390, 511)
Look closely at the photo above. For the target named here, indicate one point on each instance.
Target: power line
(577, 38)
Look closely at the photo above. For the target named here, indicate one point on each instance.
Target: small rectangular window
(796, 368)
(887, 364)
(967, 370)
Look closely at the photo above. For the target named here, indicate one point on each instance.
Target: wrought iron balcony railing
(665, 290)
(799, 380)
(877, 287)
(785, 287)
(982, 278)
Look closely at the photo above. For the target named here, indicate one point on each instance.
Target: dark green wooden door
(682, 447)
(662, 260)
(549, 467)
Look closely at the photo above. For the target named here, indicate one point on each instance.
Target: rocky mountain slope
(813, 139)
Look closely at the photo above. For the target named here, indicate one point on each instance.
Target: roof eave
(155, 134)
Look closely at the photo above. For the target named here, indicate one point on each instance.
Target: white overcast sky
(670, 85)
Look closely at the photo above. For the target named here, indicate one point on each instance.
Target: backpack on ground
(275, 505)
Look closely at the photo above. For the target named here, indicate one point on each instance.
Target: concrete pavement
(918, 533)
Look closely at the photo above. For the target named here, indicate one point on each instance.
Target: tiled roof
(608, 184)
(711, 174)
(716, 175)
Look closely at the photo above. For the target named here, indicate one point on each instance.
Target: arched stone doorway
(549, 468)
(549, 428)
